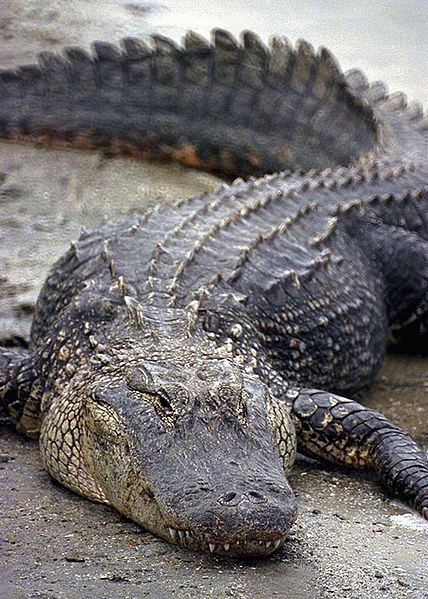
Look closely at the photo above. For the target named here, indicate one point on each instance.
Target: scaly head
(185, 444)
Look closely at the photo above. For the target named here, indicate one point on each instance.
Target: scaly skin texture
(175, 358)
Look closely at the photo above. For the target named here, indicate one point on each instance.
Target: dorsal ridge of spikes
(135, 311)
(281, 228)
(232, 218)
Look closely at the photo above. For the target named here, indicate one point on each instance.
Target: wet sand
(350, 539)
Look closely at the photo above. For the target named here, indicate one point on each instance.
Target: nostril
(256, 497)
(227, 498)
(233, 499)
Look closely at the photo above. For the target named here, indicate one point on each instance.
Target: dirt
(350, 540)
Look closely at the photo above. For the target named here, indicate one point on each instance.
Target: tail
(235, 108)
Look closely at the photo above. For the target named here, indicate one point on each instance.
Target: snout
(237, 522)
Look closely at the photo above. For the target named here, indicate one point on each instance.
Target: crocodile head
(188, 448)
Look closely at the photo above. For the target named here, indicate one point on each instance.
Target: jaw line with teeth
(180, 537)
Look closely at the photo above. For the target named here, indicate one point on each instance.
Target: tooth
(277, 543)
(268, 544)
(226, 546)
(212, 547)
(181, 534)
(173, 533)
(187, 533)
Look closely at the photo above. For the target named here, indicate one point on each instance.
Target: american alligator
(175, 358)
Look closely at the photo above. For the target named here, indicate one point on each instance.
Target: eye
(231, 395)
(140, 381)
(163, 402)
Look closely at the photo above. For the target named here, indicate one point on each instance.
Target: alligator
(178, 360)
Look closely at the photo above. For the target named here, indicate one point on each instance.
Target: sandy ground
(349, 541)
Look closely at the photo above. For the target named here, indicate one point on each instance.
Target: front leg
(344, 432)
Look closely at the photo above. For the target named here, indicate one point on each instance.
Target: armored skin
(178, 360)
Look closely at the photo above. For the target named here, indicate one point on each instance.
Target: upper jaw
(245, 548)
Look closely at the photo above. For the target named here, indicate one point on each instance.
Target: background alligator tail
(239, 109)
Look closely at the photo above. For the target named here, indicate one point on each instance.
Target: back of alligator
(238, 109)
